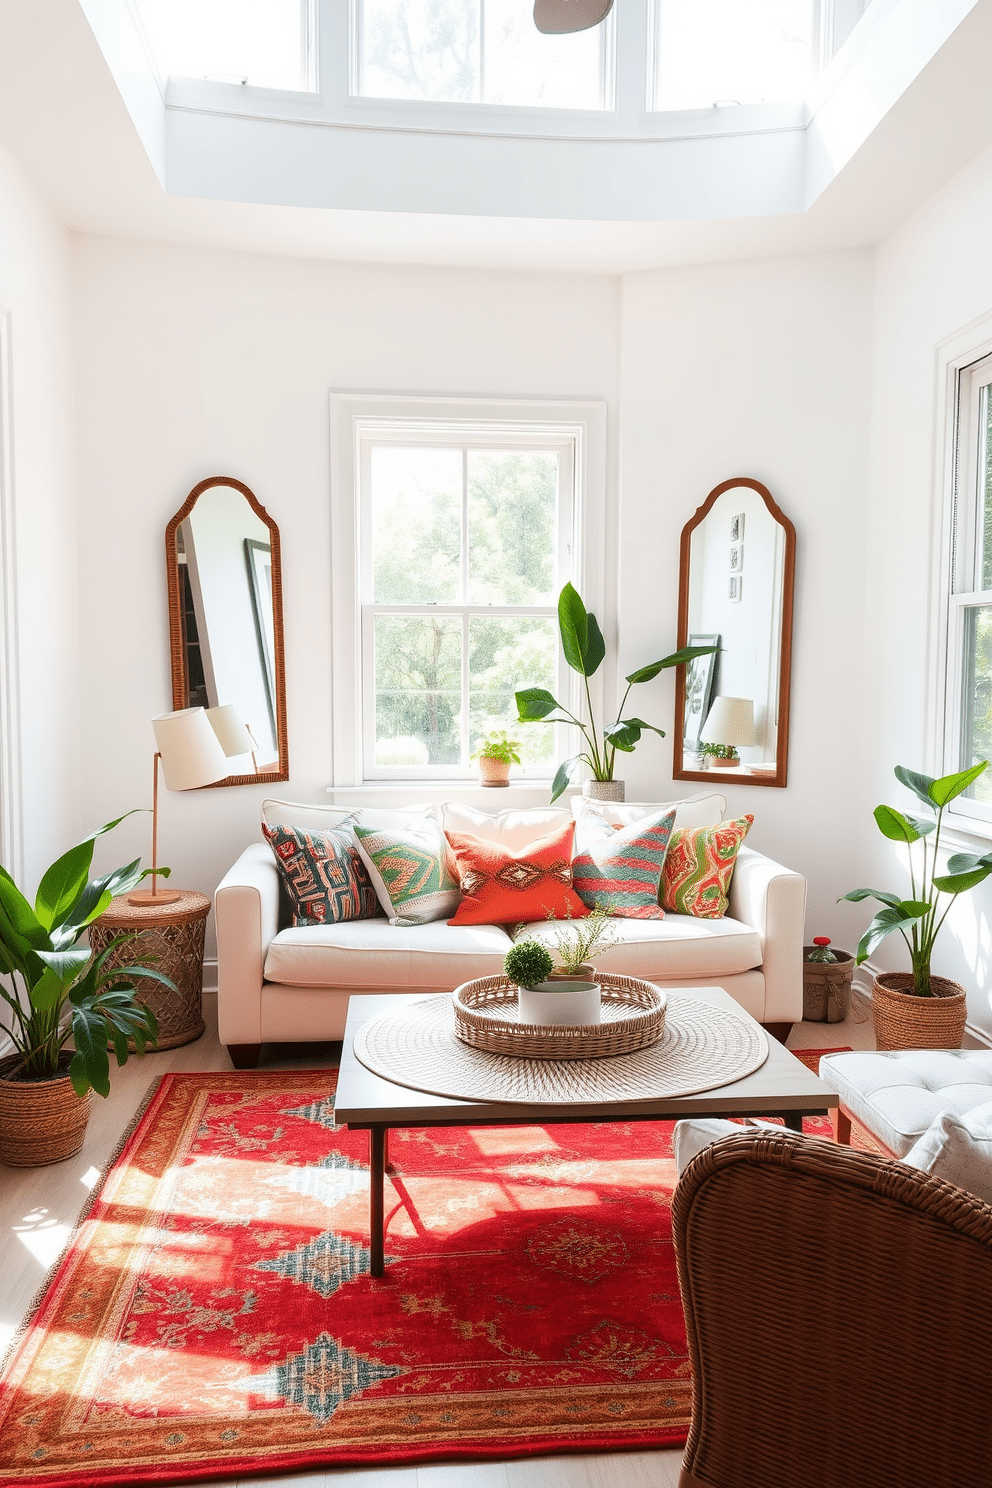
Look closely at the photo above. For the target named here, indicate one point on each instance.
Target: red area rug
(214, 1316)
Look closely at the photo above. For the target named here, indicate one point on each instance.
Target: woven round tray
(702, 1047)
(487, 1016)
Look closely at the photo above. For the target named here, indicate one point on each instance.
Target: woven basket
(41, 1121)
(486, 1017)
(827, 987)
(904, 1021)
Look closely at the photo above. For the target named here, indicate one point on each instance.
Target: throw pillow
(501, 887)
(409, 872)
(695, 1134)
(699, 866)
(958, 1148)
(514, 829)
(324, 876)
(703, 810)
(619, 868)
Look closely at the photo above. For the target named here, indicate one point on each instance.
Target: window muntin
(467, 537)
(713, 52)
(264, 43)
(478, 51)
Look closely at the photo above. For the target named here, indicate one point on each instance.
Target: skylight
(713, 52)
(478, 51)
(265, 43)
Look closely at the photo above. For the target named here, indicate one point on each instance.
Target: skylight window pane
(522, 66)
(261, 42)
(732, 51)
(426, 49)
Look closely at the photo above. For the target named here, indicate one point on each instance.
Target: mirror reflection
(738, 557)
(225, 608)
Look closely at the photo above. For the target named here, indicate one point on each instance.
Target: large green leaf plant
(931, 894)
(584, 647)
(56, 989)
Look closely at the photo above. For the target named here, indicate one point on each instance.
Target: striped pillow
(619, 868)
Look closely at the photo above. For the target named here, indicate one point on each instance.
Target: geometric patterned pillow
(409, 870)
(699, 866)
(620, 868)
(324, 875)
(502, 887)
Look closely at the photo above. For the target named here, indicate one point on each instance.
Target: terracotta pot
(41, 1121)
(904, 1021)
(493, 771)
(603, 790)
(585, 972)
(718, 762)
(827, 987)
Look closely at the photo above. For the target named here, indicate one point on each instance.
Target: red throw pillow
(500, 887)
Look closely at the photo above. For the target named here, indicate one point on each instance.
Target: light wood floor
(39, 1206)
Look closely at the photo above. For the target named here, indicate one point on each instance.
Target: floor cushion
(898, 1095)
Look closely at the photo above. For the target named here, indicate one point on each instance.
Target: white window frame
(577, 430)
(964, 363)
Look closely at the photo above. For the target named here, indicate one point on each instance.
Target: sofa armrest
(772, 900)
(246, 909)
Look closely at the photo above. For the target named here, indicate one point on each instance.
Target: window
(479, 51)
(266, 43)
(717, 52)
(969, 671)
(466, 537)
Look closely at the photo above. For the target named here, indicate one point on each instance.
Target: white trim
(581, 420)
(11, 798)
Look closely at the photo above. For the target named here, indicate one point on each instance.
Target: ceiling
(64, 121)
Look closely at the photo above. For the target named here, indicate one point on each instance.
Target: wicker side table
(173, 934)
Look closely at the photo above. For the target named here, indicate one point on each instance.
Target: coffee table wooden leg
(841, 1123)
(793, 1121)
(377, 1208)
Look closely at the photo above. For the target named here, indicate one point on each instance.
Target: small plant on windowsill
(495, 754)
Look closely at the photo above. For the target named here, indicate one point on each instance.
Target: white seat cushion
(375, 954)
(898, 1095)
(677, 946)
(959, 1150)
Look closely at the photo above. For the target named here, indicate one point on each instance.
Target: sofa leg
(244, 1056)
(778, 1031)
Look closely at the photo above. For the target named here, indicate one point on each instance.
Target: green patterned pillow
(699, 866)
(409, 870)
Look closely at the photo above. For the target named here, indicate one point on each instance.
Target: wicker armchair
(837, 1307)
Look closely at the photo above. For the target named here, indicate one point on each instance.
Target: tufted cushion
(897, 1096)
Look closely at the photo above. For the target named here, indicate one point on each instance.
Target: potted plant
(578, 942)
(916, 1009)
(827, 978)
(719, 756)
(584, 647)
(495, 754)
(56, 990)
(528, 965)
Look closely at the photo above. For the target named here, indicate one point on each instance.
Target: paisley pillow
(698, 868)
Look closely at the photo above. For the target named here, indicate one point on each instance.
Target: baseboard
(864, 975)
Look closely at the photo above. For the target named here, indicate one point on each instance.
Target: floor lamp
(192, 756)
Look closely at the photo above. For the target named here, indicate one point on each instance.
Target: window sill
(963, 835)
(447, 788)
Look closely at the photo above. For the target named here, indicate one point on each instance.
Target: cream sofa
(281, 984)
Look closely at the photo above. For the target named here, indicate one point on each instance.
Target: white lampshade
(230, 729)
(190, 750)
(730, 721)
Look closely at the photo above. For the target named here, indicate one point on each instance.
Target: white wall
(197, 363)
(933, 278)
(34, 289)
(756, 369)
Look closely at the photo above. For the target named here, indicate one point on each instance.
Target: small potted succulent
(495, 754)
(528, 965)
(827, 978)
(719, 756)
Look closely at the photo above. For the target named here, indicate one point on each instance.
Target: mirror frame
(735, 777)
(177, 652)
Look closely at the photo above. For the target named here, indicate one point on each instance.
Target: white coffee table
(783, 1086)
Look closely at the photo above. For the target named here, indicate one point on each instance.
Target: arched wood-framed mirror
(224, 573)
(736, 580)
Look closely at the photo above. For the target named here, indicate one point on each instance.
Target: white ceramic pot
(560, 1002)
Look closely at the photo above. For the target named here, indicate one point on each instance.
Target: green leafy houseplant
(55, 988)
(584, 647)
(717, 751)
(497, 745)
(527, 963)
(920, 917)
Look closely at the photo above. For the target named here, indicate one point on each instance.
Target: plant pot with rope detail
(904, 1020)
(41, 1121)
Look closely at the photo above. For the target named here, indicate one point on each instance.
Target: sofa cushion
(619, 868)
(409, 871)
(375, 954)
(703, 810)
(502, 887)
(698, 868)
(696, 1133)
(677, 946)
(959, 1150)
(897, 1095)
(514, 830)
(318, 818)
(323, 874)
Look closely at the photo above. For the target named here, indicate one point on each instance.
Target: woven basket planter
(903, 1021)
(827, 987)
(603, 790)
(41, 1121)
